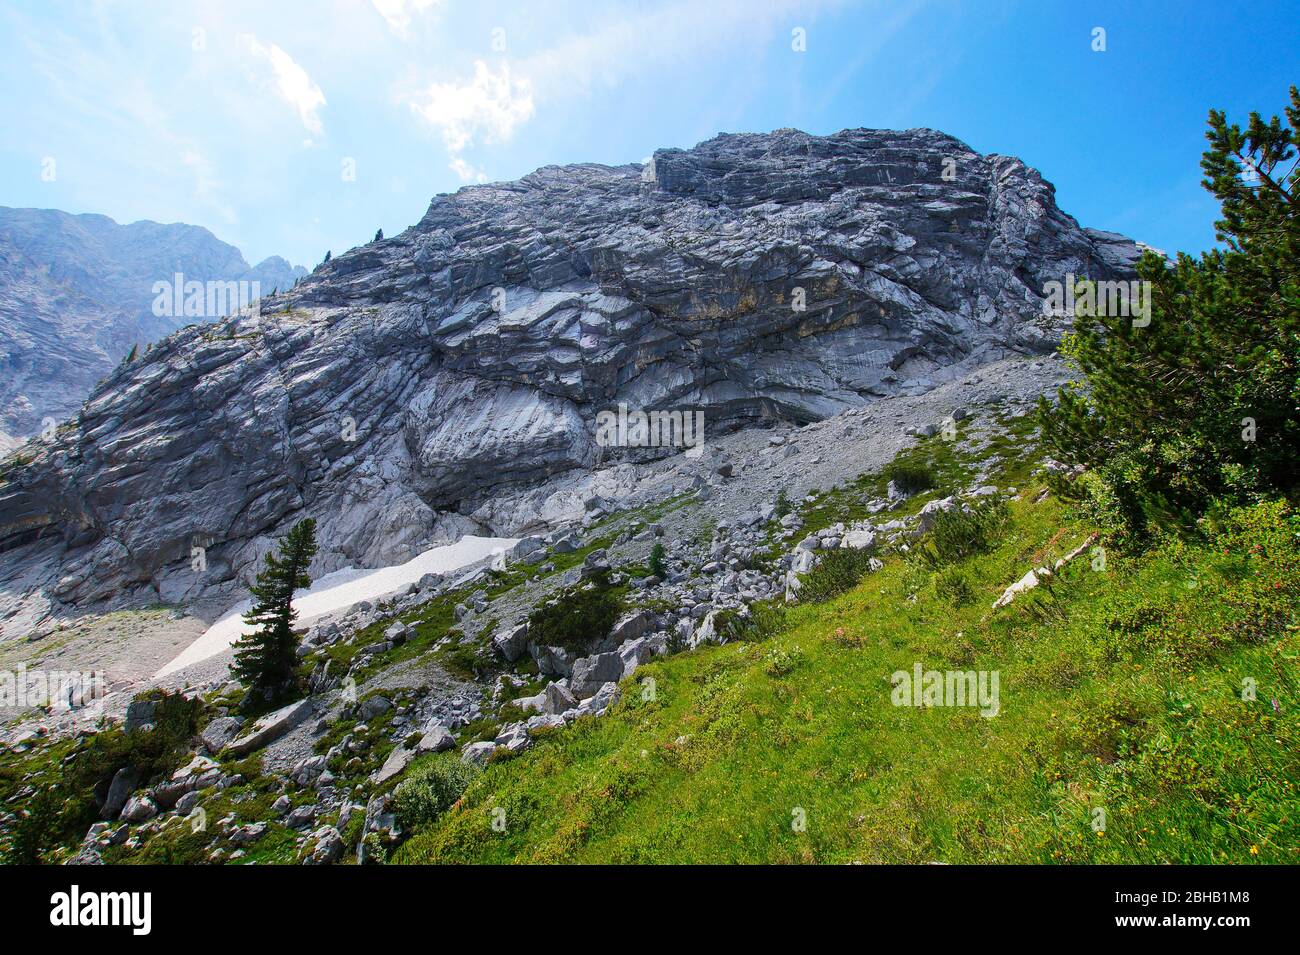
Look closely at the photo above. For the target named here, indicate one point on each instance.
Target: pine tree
(379, 235)
(1203, 402)
(265, 658)
(32, 832)
(327, 256)
(657, 566)
(783, 506)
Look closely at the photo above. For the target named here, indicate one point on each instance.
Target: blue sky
(245, 117)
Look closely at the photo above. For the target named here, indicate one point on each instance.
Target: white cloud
(467, 172)
(398, 14)
(488, 107)
(291, 81)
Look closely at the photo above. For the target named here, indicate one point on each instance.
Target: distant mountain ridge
(77, 293)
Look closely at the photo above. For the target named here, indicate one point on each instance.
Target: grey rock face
(511, 642)
(124, 783)
(558, 698)
(271, 727)
(593, 672)
(77, 292)
(139, 808)
(477, 753)
(436, 739)
(448, 380)
(220, 732)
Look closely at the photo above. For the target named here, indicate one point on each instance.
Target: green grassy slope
(1120, 689)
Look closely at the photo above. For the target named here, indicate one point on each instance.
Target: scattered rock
(477, 753)
(139, 808)
(558, 698)
(217, 735)
(512, 642)
(436, 739)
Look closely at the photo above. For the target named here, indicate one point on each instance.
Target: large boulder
(531, 704)
(140, 714)
(859, 539)
(327, 847)
(396, 763)
(511, 642)
(628, 627)
(376, 705)
(634, 653)
(591, 673)
(529, 550)
(707, 631)
(558, 698)
(436, 739)
(270, 727)
(931, 511)
(803, 561)
(477, 754)
(217, 735)
(139, 808)
(552, 661)
(514, 737)
(244, 836)
(124, 782)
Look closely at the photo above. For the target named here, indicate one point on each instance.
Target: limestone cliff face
(447, 380)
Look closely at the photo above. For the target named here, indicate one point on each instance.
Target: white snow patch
(341, 590)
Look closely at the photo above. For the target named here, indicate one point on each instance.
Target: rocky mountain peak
(447, 380)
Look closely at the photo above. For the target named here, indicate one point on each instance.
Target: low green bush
(958, 534)
(783, 505)
(764, 620)
(839, 572)
(779, 662)
(952, 586)
(579, 616)
(909, 478)
(152, 752)
(430, 789)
